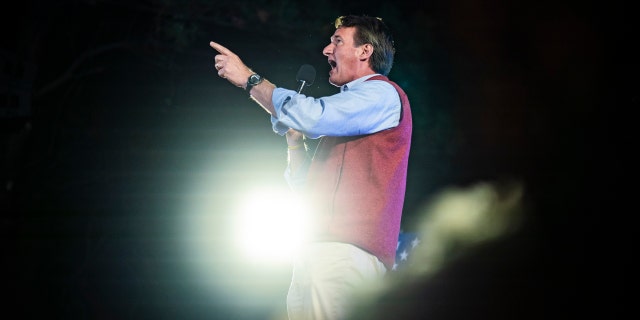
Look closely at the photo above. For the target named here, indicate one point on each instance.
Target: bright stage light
(270, 225)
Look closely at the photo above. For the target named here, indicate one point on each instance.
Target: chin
(333, 82)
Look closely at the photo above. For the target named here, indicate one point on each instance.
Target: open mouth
(332, 64)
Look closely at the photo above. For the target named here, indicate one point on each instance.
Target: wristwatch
(253, 81)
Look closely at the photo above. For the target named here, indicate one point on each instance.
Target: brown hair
(373, 31)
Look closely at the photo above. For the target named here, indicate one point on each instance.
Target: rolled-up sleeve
(368, 107)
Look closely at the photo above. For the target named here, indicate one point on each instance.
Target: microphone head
(306, 73)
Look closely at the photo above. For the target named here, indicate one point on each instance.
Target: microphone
(306, 76)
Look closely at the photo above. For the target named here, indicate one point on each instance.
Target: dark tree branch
(71, 71)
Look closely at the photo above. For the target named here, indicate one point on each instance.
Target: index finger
(218, 47)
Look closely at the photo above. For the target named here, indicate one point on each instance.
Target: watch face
(254, 79)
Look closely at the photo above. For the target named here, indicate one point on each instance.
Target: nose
(328, 49)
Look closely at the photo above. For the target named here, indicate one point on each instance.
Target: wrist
(298, 146)
(253, 80)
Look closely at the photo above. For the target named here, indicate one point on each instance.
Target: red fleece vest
(357, 185)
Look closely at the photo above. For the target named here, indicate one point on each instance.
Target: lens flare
(270, 226)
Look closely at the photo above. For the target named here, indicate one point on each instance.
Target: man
(356, 178)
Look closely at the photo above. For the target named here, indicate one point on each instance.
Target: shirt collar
(345, 87)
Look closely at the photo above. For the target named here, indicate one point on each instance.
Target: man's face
(343, 56)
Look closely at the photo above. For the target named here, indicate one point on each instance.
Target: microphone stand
(301, 85)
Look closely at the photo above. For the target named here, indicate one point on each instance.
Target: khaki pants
(326, 276)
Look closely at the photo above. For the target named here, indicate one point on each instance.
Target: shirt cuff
(279, 98)
(278, 127)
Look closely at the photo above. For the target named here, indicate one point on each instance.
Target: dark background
(115, 127)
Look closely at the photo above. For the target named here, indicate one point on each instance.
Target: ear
(366, 51)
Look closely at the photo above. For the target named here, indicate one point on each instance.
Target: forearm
(297, 151)
(263, 94)
(297, 157)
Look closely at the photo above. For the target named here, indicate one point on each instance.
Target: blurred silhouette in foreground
(475, 260)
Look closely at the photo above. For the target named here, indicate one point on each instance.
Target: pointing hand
(230, 66)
